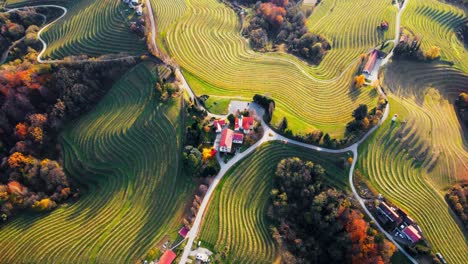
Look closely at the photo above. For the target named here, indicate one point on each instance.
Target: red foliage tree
(272, 13)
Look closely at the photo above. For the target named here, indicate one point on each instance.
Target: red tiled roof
(247, 122)
(168, 257)
(371, 62)
(226, 138)
(412, 233)
(238, 137)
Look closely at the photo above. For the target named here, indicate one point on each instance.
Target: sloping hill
(125, 155)
(236, 220)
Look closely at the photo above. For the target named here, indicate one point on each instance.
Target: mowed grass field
(436, 23)
(125, 155)
(92, 28)
(236, 218)
(204, 38)
(412, 163)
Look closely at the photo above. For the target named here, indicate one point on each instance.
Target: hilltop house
(244, 123)
(225, 144)
(369, 67)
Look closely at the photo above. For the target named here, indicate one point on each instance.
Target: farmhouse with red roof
(168, 257)
(412, 234)
(225, 144)
(219, 124)
(244, 123)
(371, 62)
(247, 124)
(238, 138)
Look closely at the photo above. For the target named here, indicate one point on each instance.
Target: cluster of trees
(200, 164)
(36, 100)
(411, 49)
(365, 119)
(457, 197)
(15, 25)
(283, 22)
(318, 224)
(267, 104)
(195, 205)
(462, 106)
(199, 160)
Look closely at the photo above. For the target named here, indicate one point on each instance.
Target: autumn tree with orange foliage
(17, 160)
(272, 13)
(21, 130)
(359, 81)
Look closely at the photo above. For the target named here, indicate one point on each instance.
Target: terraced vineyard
(92, 28)
(411, 164)
(204, 38)
(236, 217)
(435, 22)
(125, 154)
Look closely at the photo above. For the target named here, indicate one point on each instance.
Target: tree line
(315, 223)
(457, 198)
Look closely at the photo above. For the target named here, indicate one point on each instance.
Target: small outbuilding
(238, 138)
(412, 234)
(139, 10)
(202, 257)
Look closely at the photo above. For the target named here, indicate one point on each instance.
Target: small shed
(183, 232)
(202, 257)
(139, 10)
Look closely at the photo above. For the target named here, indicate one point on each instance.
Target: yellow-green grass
(397, 160)
(436, 23)
(93, 28)
(204, 38)
(236, 218)
(125, 156)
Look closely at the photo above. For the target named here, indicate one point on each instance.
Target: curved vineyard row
(204, 38)
(92, 28)
(436, 23)
(237, 223)
(125, 154)
(399, 161)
